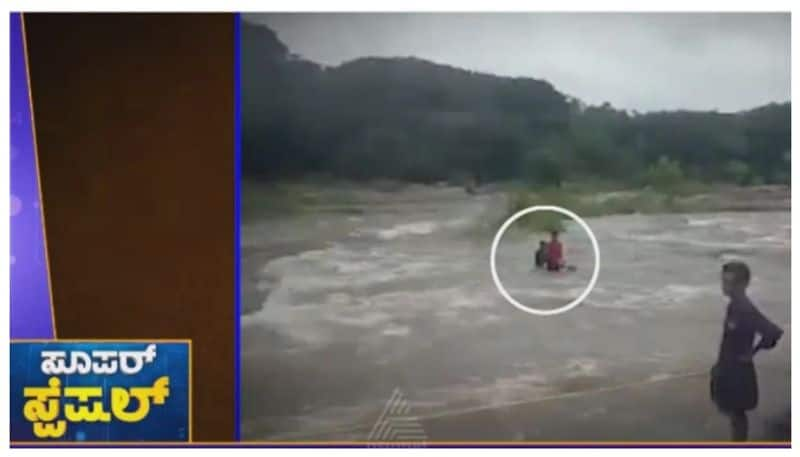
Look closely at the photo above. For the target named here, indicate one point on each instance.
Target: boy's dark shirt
(541, 257)
(742, 321)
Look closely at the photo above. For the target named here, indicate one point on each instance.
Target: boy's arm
(768, 331)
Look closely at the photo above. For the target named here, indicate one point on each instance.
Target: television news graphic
(101, 391)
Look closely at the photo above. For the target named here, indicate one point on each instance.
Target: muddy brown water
(343, 309)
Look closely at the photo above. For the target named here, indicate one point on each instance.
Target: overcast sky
(641, 62)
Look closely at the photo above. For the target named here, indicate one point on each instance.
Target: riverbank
(587, 203)
(261, 200)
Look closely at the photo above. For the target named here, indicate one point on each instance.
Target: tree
(410, 119)
(664, 175)
(543, 170)
(737, 172)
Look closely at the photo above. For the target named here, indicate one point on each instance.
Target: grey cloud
(652, 61)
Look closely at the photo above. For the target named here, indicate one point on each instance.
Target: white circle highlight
(499, 284)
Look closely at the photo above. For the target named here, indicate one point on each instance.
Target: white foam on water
(360, 318)
(749, 229)
(445, 300)
(267, 283)
(291, 323)
(670, 296)
(522, 380)
(628, 302)
(675, 239)
(325, 271)
(449, 315)
(706, 222)
(532, 294)
(729, 257)
(684, 291)
(315, 325)
(313, 321)
(580, 367)
(675, 296)
(413, 228)
(459, 223)
(487, 319)
(659, 377)
(349, 267)
(339, 299)
(397, 330)
(782, 241)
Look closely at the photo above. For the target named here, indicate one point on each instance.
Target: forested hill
(411, 119)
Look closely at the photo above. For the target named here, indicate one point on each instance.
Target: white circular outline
(544, 312)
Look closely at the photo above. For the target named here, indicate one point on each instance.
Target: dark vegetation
(413, 120)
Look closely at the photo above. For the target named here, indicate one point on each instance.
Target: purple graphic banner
(30, 291)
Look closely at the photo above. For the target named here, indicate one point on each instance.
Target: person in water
(734, 389)
(541, 255)
(555, 253)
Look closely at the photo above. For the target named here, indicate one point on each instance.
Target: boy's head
(735, 278)
(542, 243)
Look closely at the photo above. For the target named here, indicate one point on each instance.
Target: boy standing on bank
(734, 388)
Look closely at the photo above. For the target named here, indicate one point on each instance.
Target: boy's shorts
(734, 387)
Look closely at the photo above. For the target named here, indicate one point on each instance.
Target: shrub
(665, 175)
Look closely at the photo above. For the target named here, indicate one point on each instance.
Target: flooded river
(346, 307)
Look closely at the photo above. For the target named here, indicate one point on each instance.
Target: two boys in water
(551, 255)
